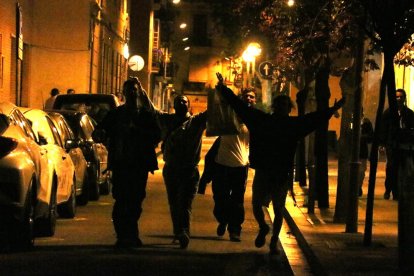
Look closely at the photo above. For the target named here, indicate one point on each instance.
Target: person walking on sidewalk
(181, 134)
(230, 175)
(133, 134)
(273, 141)
(51, 100)
(367, 133)
(388, 139)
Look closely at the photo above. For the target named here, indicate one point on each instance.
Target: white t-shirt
(234, 149)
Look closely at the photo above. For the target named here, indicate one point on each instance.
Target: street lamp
(249, 56)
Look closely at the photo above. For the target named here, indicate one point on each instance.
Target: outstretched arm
(248, 114)
(145, 100)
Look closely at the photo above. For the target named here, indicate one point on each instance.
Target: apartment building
(64, 44)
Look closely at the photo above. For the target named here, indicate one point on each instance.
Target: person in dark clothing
(367, 133)
(273, 141)
(133, 134)
(389, 138)
(181, 134)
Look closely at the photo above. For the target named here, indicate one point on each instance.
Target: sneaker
(273, 246)
(261, 237)
(387, 195)
(221, 229)
(235, 237)
(184, 240)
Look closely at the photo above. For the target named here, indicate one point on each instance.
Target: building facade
(63, 44)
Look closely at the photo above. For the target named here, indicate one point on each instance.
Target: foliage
(405, 56)
(305, 36)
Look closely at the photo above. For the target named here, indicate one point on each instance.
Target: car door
(39, 155)
(43, 126)
(65, 168)
(75, 152)
(99, 149)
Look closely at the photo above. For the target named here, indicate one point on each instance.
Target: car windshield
(96, 106)
(97, 111)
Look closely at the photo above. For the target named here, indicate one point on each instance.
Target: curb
(313, 261)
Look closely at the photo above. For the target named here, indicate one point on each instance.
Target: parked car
(95, 105)
(47, 132)
(27, 197)
(96, 154)
(73, 148)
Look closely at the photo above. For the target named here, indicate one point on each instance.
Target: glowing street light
(249, 56)
(290, 3)
(176, 1)
(183, 25)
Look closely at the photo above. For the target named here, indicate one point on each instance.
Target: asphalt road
(84, 245)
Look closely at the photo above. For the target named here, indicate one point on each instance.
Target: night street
(84, 245)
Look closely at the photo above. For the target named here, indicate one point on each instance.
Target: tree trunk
(387, 78)
(354, 165)
(300, 174)
(345, 140)
(323, 94)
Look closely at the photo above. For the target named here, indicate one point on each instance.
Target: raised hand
(220, 83)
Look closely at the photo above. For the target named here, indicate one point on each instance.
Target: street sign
(266, 69)
(136, 63)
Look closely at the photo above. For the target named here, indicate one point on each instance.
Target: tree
(392, 25)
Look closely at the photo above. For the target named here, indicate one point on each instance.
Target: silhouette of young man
(273, 141)
(133, 134)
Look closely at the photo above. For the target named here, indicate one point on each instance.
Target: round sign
(136, 63)
(266, 69)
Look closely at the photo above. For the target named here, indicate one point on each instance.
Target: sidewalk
(331, 251)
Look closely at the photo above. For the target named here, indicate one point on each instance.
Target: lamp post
(249, 56)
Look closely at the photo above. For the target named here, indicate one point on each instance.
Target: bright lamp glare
(187, 48)
(185, 38)
(183, 25)
(252, 51)
(176, 1)
(291, 3)
(125, 51)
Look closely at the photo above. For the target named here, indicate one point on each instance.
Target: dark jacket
(133, 137)
(181, 138)
(209, 166)
(391, 133)
(273, 139)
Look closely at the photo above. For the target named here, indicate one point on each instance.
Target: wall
(8, 33)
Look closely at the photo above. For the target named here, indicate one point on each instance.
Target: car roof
(66, 112)
(86, 98)
(7, 108)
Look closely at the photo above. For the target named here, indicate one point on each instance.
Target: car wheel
(83, 198)
(45, 227)
(68, 208)
(24, 235)
(106, 185)
(94, 192)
